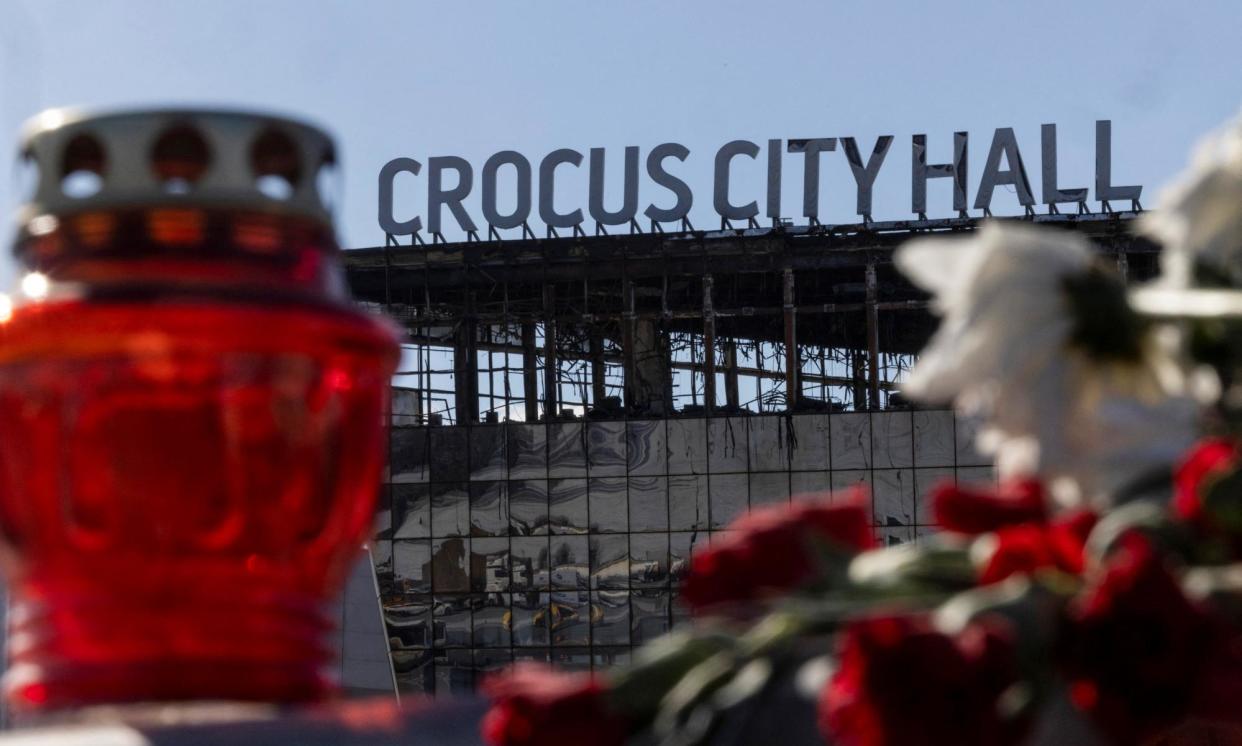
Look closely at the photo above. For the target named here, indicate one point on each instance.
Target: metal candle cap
(209, 158)
(187, 185)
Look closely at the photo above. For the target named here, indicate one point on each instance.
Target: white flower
(1199, 219)
(1010, 351)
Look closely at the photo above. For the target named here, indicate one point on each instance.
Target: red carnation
(776, 549)
(1134, 645)
(1207, 498)
(1026, 548)
(533, 705)
(978, 510)
(1207, 461)
(901, 682)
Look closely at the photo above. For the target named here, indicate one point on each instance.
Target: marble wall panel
(567, 506)
(408, 625)
(488, 444)
(892, 439)
(408, 458)
(966, 432)
(450, 567)
(533, 656)
(381, 554)
(611, 618)
(606, 449)
(688, 503)
(491, 622)
(567, 449)
(811, 435)
(891, 536)
(454, 672)
(488, 661)
(452, 622)
(526, 448)
(604, 658)
(978, 475)
(381, 526)
(411, 511)
(730, 498)
(648, 497)
(844, 481)
(450, 509)
(449, 454)
(528, 507)
(649, 560)
(893, 496)
(769, 488)
(681, 546)
(727, 449)
(570, 562)
(610, 561)
(530, 619)
(934, 440)
(687, 446)
(569, 619)
(490, 565)
(608, 504)
(414, 670)
(411, 560)
(850, 440)
(768, 442)
(924, 481)
(531, 566)
(571, 658)
(647, 448)
(489, 508)
(649, 615)
(807, 483)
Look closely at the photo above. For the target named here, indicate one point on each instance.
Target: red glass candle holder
(192, 415)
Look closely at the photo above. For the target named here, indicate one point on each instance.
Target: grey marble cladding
(687, 446)
(646, 449)
(526, 449)
(567, 449)
(606, 449)
(565, 542)
(892, 439)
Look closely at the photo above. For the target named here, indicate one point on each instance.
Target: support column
(599, 369)
(466, 366)
(732, 399)
(551, 394)
(709, 348)
(873, 341)
(629, 319)
(530, 372)
(857, 360)
(650, 369)
(791, 343)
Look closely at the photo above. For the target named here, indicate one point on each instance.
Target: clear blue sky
(420, 79)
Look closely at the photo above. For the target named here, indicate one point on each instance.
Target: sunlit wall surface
(565, 541)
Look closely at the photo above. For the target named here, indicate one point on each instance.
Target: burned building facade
(575, 416)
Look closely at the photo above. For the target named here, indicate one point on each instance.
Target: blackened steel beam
(466, 367)
(873, 341)
(709, 348)
(599, 369)
(530, 372)
(791, 341)
(629, 320)
(551, 394)
(731, 393)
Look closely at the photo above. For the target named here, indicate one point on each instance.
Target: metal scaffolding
(651, 324)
